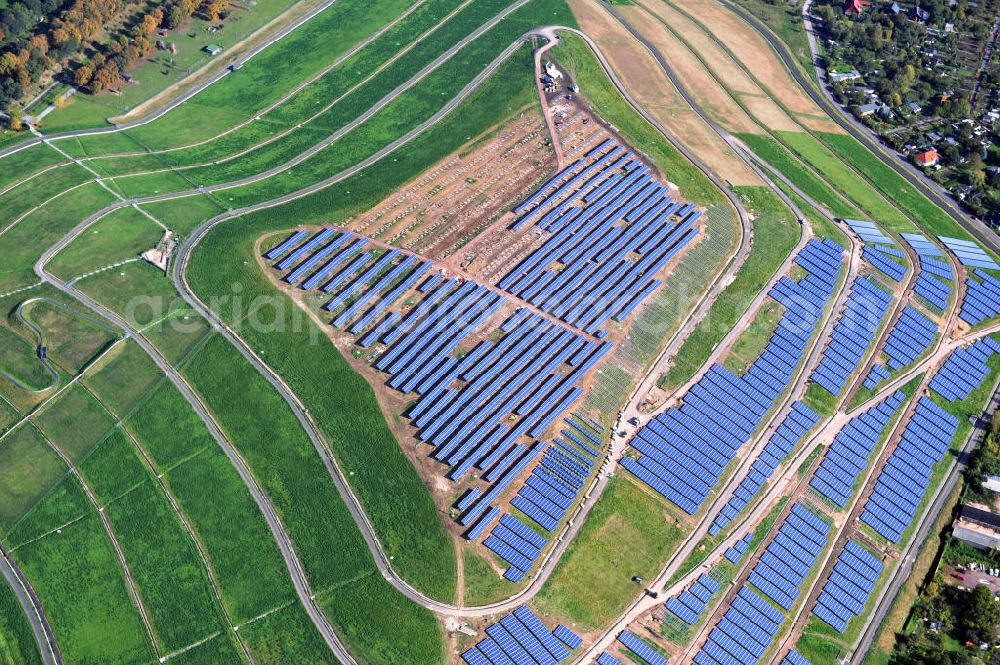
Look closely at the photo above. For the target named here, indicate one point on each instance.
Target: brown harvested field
(640, 73)
(729, 72)
(757, 57)
(705, 90)
(769, 114)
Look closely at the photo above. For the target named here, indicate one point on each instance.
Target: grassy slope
(778, 229)
(626, 534)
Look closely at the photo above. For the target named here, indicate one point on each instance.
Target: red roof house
(855, 6)
(927, 157)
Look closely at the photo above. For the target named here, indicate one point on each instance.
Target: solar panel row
(903, 481)
(848, 455)
(933, 290)
(982, 298)
(868, 231)
(691, 602)
(554, 484)
(623, 212)
(881, 261)
(969, 253)
(791, 554)
(965, 370)
(937, 267)
(285, 245)
(641, 649)
(849, 586)
(921, 245)
(794, 658)
(520, 638)
(910, 337)
(864, 310)
(789, 433)
(876, 375)
(516, 544)
(607, 659)
(736, 552)
(684, 450)
(744, 634)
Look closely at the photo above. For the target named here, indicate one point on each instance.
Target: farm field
(441, 329)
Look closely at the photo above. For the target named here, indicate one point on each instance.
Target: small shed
(212, 49)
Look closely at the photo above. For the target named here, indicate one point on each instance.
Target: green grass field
(21, 362)
(125, 376)
(28, 469)
(119, 236)
(627, 533)
(483, 584)
(83, 591)
(74, 422)
(841, 176)
(73, 338)
(774, 222)
(778, 156)
(24, 242)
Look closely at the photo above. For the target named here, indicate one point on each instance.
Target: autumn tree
(83, 75)
(105, 78)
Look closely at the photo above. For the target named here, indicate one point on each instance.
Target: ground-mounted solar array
(869, 232)
(854, 444)
(684, 450)
(934, 281)
(481, 407)
(903, 480)
(739, 548)
(855, 331)
(786, 562)
(884, 259)
(642, 650)
(600, 215)
(745, 632)
(794, 658)
(848, 587)
(910, 337)
(607, 659)
(789, 433)
(521, 638)
(876, 375)
(982, 298)
(965, 369)
(548, 493)
(690, 603)
(969, 253)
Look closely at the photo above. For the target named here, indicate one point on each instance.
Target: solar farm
(442, 333)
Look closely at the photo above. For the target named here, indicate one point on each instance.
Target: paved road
(822, 97)
(31, 605)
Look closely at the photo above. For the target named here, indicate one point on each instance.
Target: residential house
(927, 158)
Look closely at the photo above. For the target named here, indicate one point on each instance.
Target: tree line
(37, 36)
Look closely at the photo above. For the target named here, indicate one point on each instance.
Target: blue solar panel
(849, 586)
(892, 505)
(641, 649)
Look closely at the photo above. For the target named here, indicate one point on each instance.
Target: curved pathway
(31, 605)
